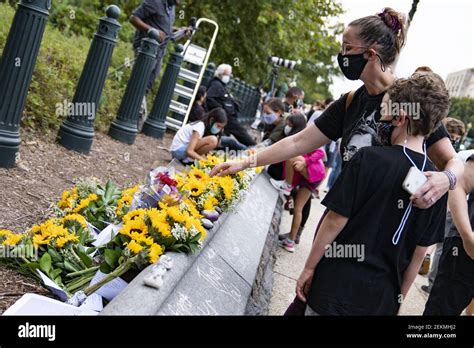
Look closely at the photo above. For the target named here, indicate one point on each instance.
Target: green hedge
(58, 68)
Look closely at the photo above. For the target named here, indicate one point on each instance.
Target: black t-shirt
(369, 192)
(358, 126)
(157, 13)
(218, 96)
(197, 113)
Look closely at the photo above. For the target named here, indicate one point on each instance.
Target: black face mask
(352, 65)
(384, 132)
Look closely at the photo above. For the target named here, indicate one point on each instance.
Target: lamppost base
(9, 147)
(75, 138)
(8, 155)
(154, 129)
(124, 133)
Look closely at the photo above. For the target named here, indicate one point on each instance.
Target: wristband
(452, 179)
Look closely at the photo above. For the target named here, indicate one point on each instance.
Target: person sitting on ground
(196, 139)
(274, 121)
(369, 208)
(197, 110)
(453, 288)
(218, 95)
(303, 174)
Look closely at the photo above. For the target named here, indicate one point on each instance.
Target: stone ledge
(219, 279)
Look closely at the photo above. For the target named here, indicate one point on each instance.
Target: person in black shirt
(391, 242)
(453, 287)
(370, 47)
(219, 96)
(158, 14)
(197, 110)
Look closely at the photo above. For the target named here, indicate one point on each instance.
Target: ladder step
(184, 91)
(188, 75)
(178, 107)
(173, 124)
(174, 121)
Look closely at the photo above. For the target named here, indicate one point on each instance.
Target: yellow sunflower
(137, 214)
(195, 187)
(77, 218)
(134, 226)
(155, 252)
(134, 246)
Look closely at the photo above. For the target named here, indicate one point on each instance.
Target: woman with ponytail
(370, 47)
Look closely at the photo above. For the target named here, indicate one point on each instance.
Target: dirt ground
(45, 169)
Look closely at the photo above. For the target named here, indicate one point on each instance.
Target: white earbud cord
(398, 232)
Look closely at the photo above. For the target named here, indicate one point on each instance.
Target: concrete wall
(233, 266)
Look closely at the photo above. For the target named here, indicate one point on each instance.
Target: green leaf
(45, 263)
(55, 256)
(111, 258)
(54, 273)
(105, 268)
(90, 250)
(69, 266)
(59, 265)
(84, 258)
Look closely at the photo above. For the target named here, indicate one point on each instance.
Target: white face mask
(287, 130)
(225, 79)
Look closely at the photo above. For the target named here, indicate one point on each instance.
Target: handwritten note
(110, 289)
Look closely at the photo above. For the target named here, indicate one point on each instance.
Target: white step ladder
(179, 111)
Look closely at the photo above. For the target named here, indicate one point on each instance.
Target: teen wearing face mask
(196, 139)
(218, 95)
(368, 207)
(274, 121)
(370, 46)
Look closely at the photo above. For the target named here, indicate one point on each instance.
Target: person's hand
(299, 166)
(189, 31)
(433, 189)
(228, 168)
(162, 35)
(303, 284)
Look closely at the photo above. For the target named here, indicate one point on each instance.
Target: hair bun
(391, 20)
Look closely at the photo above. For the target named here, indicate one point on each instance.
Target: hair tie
(394, 24)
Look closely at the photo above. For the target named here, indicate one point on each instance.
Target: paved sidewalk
(289, 265)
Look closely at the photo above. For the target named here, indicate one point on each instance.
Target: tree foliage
(250, 32)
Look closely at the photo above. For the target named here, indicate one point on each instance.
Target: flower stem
(73, 274)
(124, 267)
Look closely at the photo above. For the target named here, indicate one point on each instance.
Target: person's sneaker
(283, 236)
(426, 288)
(282, 186)
(288, 245)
